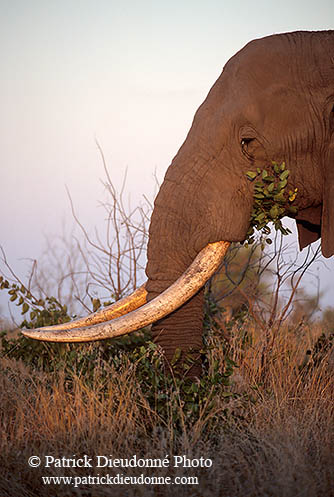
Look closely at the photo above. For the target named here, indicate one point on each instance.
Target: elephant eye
(253, 149)
(245, 142)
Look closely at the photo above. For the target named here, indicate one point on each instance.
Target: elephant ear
(327, 225)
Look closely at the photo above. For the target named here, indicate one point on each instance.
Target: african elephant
(274, 101)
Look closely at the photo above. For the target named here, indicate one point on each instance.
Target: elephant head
(274, 101)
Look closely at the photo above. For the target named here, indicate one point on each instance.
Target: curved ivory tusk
(198, 273)
(115, 310)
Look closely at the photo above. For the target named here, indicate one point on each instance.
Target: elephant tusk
(185, 287)
(115, 310)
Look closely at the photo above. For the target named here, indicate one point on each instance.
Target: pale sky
(131, 75)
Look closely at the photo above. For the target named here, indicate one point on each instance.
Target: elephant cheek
(226, 216)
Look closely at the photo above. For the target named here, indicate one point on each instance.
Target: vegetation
(267, 433)
(262, 411)
(271, 200)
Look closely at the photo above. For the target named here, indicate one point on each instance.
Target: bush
(171, 395)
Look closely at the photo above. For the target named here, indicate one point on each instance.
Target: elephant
(273, 102)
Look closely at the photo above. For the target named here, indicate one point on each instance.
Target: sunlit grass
(274, 437)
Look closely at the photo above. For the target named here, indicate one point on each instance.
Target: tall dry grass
(275, 438)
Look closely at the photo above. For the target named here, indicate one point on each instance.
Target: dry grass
(276, 440)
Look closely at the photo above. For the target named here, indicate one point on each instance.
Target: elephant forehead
(276, 108)
(299, 59)
(279, 106)
(254, 94)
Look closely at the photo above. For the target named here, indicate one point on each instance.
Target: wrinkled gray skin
(274, 101)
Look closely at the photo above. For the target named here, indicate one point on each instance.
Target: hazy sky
(131, 75)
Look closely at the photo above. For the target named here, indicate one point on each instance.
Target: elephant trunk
(196, 206)
(174, 240)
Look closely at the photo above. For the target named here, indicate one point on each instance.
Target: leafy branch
(272, 200)
(43, 312)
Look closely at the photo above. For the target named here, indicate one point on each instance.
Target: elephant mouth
(132, 312)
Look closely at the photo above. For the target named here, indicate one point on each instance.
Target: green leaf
(176, 356)
(96, 304)
(293, 210)
(279, 197)
(251, 175)
(274, 212)
(25, 308)
(269, 179)
(284, 175)
(276, 168)
(282, 184)
(260, 217)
